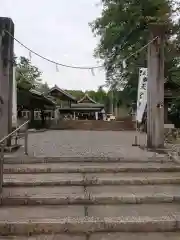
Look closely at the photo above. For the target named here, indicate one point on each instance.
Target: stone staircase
(90, 199)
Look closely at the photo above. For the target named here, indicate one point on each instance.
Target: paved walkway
(85, 143)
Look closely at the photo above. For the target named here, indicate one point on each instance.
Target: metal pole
(1, 165)
(136, 136)
(112, 96)
(26, 141)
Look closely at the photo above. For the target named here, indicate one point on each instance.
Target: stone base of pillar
(157, 150)
(12, 148)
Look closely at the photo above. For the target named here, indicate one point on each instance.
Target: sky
(58, 30)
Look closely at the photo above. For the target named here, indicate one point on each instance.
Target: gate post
(155, 88)
(6, 75)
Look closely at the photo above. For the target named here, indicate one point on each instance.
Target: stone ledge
(32, 160)
(90, 225)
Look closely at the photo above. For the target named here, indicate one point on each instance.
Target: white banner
(14, 100)
(142, 94)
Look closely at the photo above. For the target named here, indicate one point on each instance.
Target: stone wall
(126, 124)
(171, 135)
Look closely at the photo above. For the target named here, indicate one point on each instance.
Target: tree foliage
(43, 88)
(27, 75)
(78, 94)
(123, 28)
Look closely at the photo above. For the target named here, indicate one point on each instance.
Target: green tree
(101, 95)
(78, 94)
(43, 88)
(92, 94)
(27, 75)
(123, 28)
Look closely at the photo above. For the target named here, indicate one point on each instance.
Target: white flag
(142, 93)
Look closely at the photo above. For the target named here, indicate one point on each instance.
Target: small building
(62, 97)
(31, 104)
(87, 108)
(70, 108)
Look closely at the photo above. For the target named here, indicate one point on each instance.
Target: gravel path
(84, 143)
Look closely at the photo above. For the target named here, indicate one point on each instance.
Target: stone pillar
(103, 114)
(56, 115)
(155, 96)
(6, 75)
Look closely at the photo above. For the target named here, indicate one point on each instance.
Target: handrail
(16, 130)
(2, 146)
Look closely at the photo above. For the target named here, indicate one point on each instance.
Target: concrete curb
(90, 225)
(82, 199)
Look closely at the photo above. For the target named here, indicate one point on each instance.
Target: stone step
(60, 179)
(32, 160)
(137, 190)
(90, 167)
(101, 236)
(23, 220)
(134, 236)
(55, 237)
(65, 195)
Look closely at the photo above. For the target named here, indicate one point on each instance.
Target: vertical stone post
(166, 111)
(6, 75)
(155, 98)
